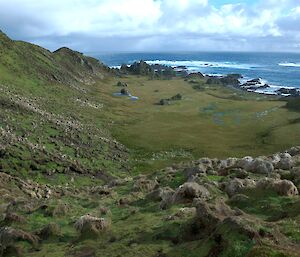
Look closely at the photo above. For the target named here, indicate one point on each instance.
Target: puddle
(131, 97)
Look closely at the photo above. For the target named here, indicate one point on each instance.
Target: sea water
(276, 69)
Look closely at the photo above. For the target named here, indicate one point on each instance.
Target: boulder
(275, 158)
(294, 151)
(286, 188)
(88, 225)
(161, 193)
(244, 163)
(192, 171)
(285, 162)
(124, 91)
(188, 191)
(261, 166)
(281, 187)
(236, 186)
(227, 163)
(210, 215)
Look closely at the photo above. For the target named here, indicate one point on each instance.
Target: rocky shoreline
(255, 85)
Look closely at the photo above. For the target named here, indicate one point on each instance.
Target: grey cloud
(195, 27)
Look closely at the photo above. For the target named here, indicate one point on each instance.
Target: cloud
(152, 25)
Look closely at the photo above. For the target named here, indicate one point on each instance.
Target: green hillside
(87, 172)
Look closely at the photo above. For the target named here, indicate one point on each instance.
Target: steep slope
(50, 120)
(24, 60)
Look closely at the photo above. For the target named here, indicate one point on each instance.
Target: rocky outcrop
(258, 165)
(288, 91)
(254, 84)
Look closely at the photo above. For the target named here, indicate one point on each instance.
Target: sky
(155, 25)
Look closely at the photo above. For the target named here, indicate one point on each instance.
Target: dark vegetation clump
(168, 101)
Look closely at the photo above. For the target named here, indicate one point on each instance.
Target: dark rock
(289, 91)
(124, 91)
(197, 75)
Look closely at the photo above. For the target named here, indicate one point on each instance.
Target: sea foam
(194, 65)
(289, 64)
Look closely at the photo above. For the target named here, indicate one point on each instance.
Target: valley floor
(86, 173)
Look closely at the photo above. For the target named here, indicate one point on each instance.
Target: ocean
(275, 69)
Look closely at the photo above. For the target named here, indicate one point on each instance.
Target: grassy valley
(88, 172)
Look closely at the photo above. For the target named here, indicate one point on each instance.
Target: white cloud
(145, 24)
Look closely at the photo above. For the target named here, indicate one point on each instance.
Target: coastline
(255, 85)
(278, 70)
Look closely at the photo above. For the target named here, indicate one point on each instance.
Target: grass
(211, 121)
(201, 121)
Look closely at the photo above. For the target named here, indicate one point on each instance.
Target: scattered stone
(285, 162)
(282, 187)
(261, 166)
(188, 191)
(160, 194)
(236, 186)
(294, 151)
(210, 215)
(245, 163)
(91, 226)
